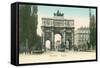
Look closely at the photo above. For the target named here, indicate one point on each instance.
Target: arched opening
(67, 44)
(57, 41)
(48, 45)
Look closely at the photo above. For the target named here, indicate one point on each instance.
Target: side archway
(48, 45)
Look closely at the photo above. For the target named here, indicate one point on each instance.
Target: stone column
(64, 37)
(72, 39)
(43, 41)
(52, 39)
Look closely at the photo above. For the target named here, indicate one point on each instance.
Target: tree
(27, 26)
(24, 15)
(93, 32)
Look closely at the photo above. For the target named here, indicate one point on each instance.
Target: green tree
(27, 27)
(93, 32)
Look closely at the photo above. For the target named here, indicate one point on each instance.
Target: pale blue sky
(49, 10)
(79, 15)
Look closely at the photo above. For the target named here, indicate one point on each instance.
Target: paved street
(56, 56)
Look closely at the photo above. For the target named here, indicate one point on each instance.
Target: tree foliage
(27, 27)
(93, 32)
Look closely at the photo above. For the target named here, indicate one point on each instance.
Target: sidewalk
(52, 56)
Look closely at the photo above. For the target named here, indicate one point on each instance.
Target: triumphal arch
(58, 25)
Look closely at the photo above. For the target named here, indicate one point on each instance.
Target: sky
(79, 15)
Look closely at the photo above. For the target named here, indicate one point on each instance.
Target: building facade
(82, 38)
(58, 25)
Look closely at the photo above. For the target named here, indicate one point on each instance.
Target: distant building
(82, 37)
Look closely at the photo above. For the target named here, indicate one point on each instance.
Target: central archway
(57, 41)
